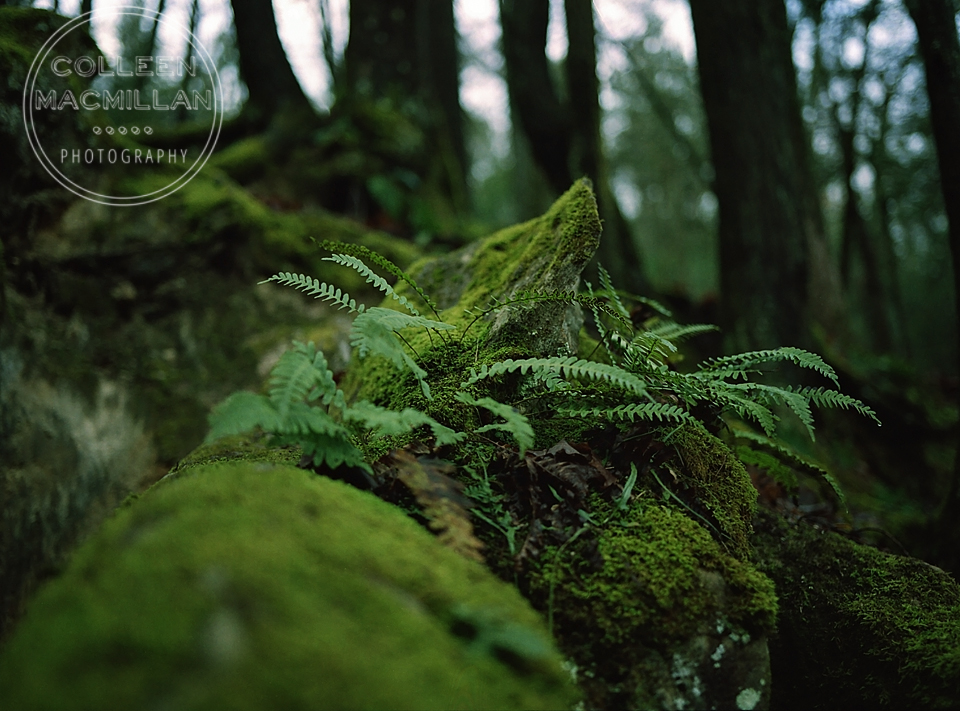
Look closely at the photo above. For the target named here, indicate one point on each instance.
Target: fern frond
(676, 333)
(773, 395)
(317, 289)
(372, 277)
(647, 411)
(607, 285)
(361, 252)
(332, 451)
(242, 412)
(300, 373)
(376, 331)
(823, 397)
(781, 473)
(516, 424)
(739, 365)
(741, 431)
(571, 367)
(390, 423)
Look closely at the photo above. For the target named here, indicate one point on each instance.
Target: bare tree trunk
(617, 252)
(940, 48)
(270, 81)
(543, 117)
(770, 220)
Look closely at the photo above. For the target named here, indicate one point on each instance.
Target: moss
(858, 628)
(718, 482)
(636, 591)
(256, 586)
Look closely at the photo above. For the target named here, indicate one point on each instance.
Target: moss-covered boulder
(858, 628)
(657, 615)
(261, 586)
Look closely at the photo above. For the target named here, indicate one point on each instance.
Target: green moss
(646, 581)
(637, 593)
(242, 159)
(718, 481)
(255, 586)
(858, 628)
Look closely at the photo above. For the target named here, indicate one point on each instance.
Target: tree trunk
(618, 252)
(406, 51)
(544, 119)
(264, 67)
(940, 48)
(769, 211)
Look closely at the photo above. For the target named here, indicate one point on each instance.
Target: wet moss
(258, 586)
(719, 483)
(858, 628)
(633, 593)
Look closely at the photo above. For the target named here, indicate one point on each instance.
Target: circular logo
(119, 99)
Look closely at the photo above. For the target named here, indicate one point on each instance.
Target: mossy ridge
(233, 564)
(719, 482)
(636, 591)
(858, 627)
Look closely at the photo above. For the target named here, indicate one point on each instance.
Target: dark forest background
(798, 183)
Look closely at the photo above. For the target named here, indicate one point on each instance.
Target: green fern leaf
(516, 424)
(781, 473)
(390, 423)
(240, 413)
(832, 398)
(607, 285)
(300, 373)
(372, 277)
(571, 367)
(676, 333)
(333, 451)
(739, 365)
(317, 289)
(647, 411)
(376, 331)
(358, 250)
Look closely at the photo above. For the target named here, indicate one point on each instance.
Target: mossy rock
(543, 255)
(719, 483)
(858, 628)
(260, 586)
(657, 615)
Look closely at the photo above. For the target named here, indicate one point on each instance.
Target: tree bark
(406, 51)
(940, 49)
(544, 118)
(768, 207)
(264, 67)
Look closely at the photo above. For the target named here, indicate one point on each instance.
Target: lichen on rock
(260, 586)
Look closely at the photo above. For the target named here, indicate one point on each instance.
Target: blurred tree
(564, 135)
(271, 84)
(936, 22)
(770, 224)
(406, 53)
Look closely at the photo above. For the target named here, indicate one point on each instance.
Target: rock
(858, 628)
(261, 586)
(543, 255)
(657, 615)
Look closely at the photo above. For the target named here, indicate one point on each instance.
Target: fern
(516, 424)
(571, 367)
(317, 289)
(649, 411)
(390, 423)
(740, 365)
(361, 252)
(372, 278)
(376, 331)
(784, 460)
